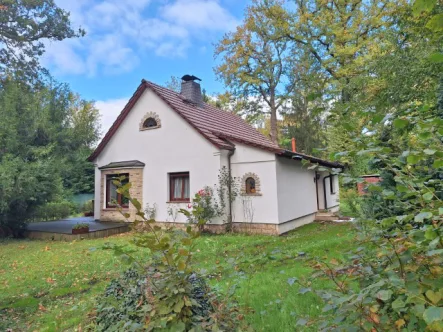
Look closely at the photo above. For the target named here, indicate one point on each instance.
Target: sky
(127, 40)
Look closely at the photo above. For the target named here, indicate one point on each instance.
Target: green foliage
(87, 207)
(46, 134)
(350, 203)
(255, 62)
(23, 27)
(166, 294)
(66, 278)
(53, 211)
(80, 225)
(202, 209)
(399, 263)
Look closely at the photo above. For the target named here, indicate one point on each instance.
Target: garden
(53, 286)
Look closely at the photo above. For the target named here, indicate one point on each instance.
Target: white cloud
(109, 111)
(199, 14)
(120, 31)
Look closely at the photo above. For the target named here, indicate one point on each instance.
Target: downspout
(317, 177)
(324, 189)
(230, 154)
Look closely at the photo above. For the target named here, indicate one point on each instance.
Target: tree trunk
(274, 131)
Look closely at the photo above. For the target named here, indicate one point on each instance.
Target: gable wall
(248, 159)
(175, 147)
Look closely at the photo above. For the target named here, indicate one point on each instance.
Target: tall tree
(24, 25)
(46, 134)
(340, 35)
(255, 63)
(304, 115)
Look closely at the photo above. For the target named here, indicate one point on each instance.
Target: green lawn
(51, 286)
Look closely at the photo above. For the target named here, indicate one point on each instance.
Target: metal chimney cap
(188, 78)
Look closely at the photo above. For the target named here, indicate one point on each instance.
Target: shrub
(164, 294)
(128, 301)
(87, 206)
(202, 208)
(350, 203)
(53, 211)
(80, 225)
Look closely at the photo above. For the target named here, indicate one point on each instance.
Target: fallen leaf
(41, 307)
(399, 323)
(374, 318)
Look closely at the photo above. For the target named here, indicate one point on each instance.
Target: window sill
(149, 128)
(115, 209)
(178, 202)
(255, 194)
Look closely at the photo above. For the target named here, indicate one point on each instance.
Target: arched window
(149, 123)
(250, 185)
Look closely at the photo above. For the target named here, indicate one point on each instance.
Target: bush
(350, 203)
(87, 206)
(164, 294)
(53, 211)
(128, 301)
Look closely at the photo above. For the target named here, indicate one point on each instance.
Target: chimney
(191, 90)
(294, 146)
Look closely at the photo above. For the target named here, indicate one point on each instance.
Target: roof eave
(312, 159)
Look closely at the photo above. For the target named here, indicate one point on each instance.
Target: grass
(51, 286)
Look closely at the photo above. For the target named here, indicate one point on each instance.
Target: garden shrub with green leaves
(53, 211)
(398, 267)
(164, 292)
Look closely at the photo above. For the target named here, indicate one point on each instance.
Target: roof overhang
(312, 159)
(123, 164)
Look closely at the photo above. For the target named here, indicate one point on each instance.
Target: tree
(304, 115)
(340, 35)
(399, 262)
(255, 63)
(46, 134)
(173, 84)
(23, 26)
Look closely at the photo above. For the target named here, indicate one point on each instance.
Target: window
(149, 123)
(250, 185)
(113, 198)
(151, 120)
(179, 187)
(331, 184)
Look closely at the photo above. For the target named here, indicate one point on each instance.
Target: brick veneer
(136, 191)
(268, 229)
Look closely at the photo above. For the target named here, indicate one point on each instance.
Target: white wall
(265, 207)
(332, 199)
(175, 147)
(296, 190)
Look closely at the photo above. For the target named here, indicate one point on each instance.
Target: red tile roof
(217, 126)
(221, 128)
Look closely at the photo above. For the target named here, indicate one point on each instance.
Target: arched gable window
(150, 121)
(250, 185)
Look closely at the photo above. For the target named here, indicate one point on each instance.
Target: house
(172, 144)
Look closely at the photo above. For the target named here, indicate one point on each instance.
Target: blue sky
(128, 40)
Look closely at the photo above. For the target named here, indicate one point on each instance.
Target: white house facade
(170, 145)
